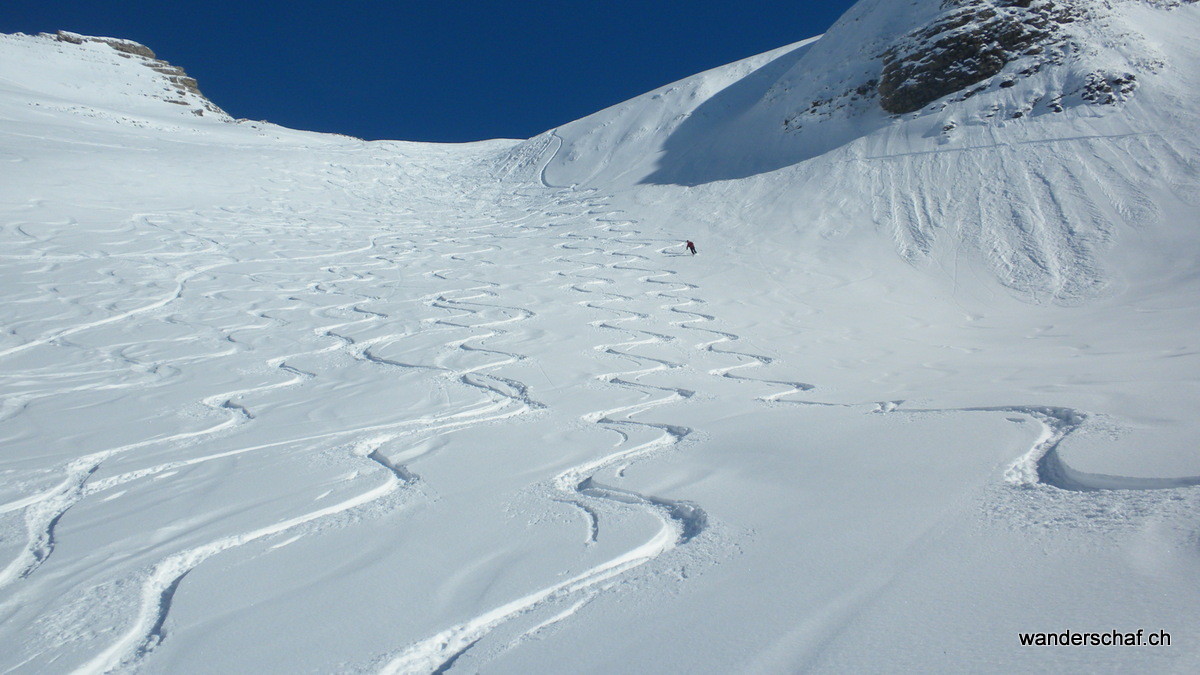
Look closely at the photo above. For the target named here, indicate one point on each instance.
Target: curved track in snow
(285, 367)
(587, 262)
(348, 314)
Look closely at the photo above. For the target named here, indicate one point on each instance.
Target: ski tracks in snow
(617, 244)
(349, 307)
(419, 300)
(600, 263)
(609, 264)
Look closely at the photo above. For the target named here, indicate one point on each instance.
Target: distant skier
(691, 247)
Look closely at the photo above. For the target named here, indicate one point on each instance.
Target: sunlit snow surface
(284, 402)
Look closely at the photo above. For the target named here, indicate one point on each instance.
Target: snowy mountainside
(280, 401)
(106, 78)
(622, 142)
(1033, 160)
(880, 60)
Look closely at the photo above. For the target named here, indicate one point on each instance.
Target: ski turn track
(592, 263)
(344, 305)
(285, 324)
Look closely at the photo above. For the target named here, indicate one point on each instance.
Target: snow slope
(280, 401)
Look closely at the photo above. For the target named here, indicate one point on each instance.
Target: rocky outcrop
(973, 41)
(967, 48)
(186, 88)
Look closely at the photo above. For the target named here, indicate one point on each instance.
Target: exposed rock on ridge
(964, 48)
(972, 42)
(185, 87)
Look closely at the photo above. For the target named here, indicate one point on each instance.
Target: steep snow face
(879, 61)
(1034, 134)
(623, 144)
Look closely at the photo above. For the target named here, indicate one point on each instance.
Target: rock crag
(186, 88)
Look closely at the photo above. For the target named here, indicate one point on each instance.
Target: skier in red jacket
(691, 247)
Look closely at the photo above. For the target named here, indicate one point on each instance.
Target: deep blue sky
(433, 71)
